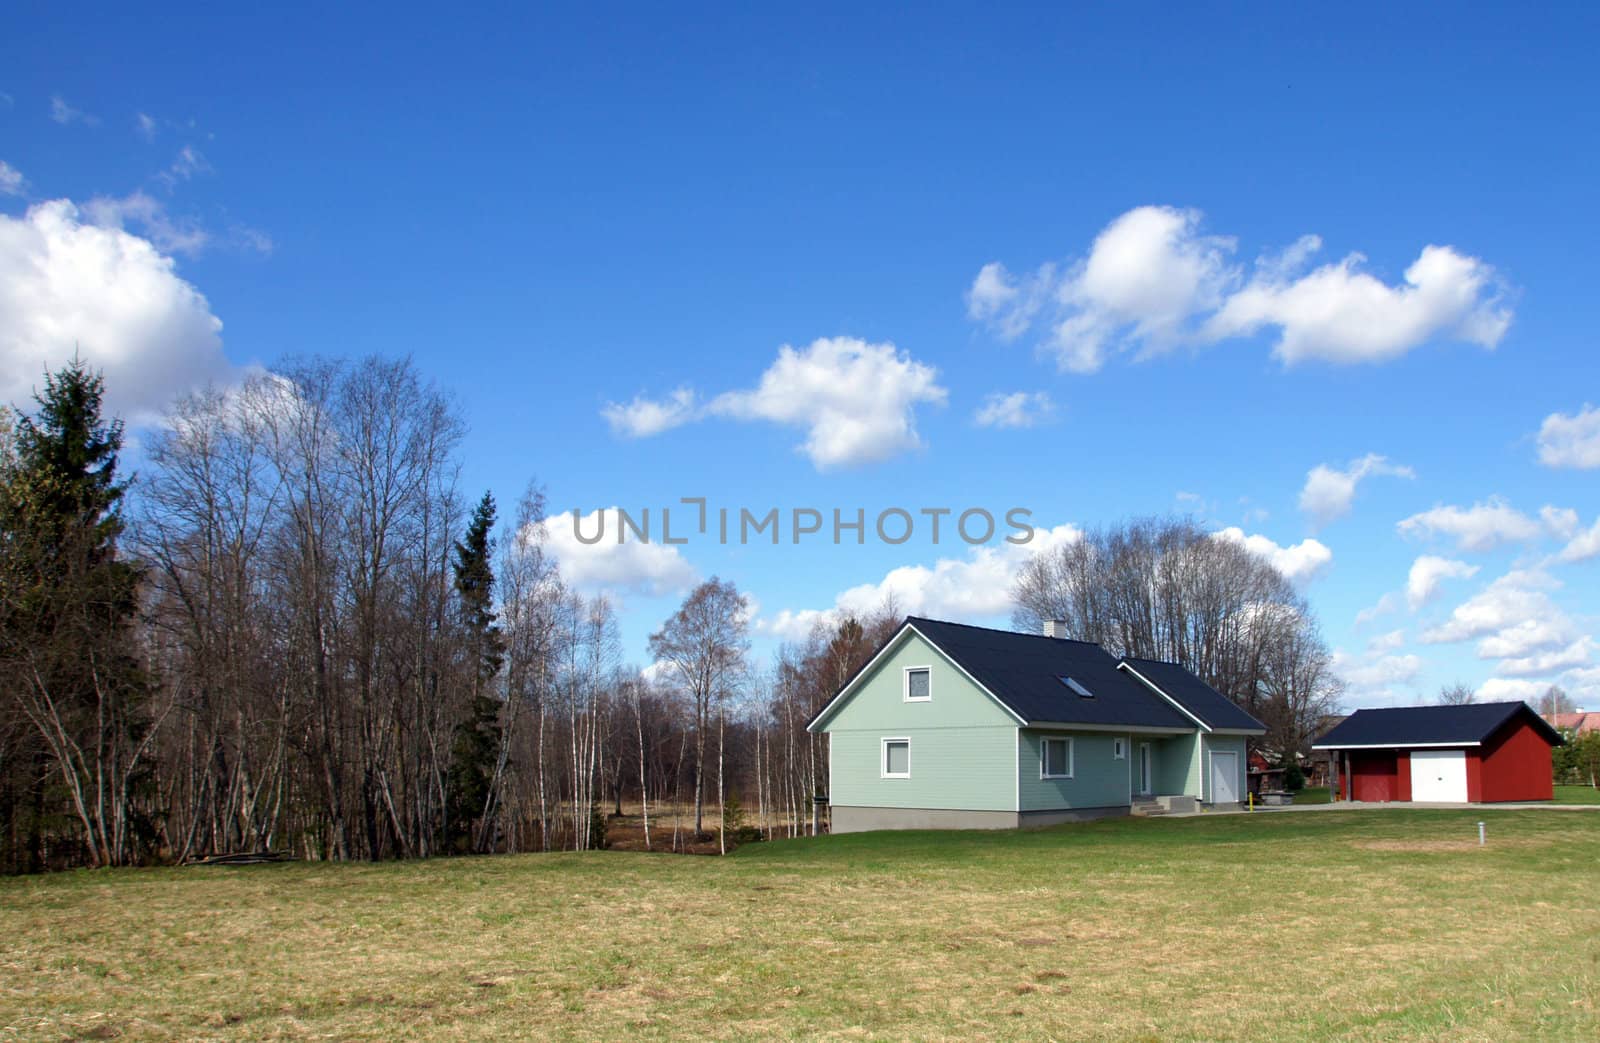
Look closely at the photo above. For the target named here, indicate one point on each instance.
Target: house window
(919, 684)
(1055, 759)
(1119, 749)
(896, 758)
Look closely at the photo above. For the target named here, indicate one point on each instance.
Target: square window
(1055, 759)
(919, 684)
(1119, 749)
(897, 758)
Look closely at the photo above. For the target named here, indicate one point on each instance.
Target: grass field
(1366, 924)
(1577, 795)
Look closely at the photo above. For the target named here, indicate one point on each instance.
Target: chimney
(1055, 628)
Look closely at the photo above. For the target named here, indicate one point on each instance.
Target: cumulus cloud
(12, 183)
(628, 566)
(1571, 441)
(1503, 690)
(1300, 563)
(644, 417)
(856, 401)
(113, 297)
(1147, 274)
(1329, 492)
(1380, 674)
(1017, 409)
(1339, 313)
(1152, 280)
(973, 588)
(1481, 527)
(1551, 661)
(1515, 620)
(1584, 545)
(1428, 572)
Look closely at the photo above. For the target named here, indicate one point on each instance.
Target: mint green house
(959, 727)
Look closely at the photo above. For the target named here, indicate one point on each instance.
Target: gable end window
(918, 684)
(1055, 759)
(896, 763)
(1119, 749)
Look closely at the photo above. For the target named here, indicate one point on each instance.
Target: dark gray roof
(1024, 672)
(1199, 698)
(1417, 725)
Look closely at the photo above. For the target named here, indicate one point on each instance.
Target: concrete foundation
(860, 820)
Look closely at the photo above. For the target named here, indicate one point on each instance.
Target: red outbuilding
(1476, 753)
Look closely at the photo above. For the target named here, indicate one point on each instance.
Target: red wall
(1374, 775)
(1513, 765)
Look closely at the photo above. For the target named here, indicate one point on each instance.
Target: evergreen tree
(477, 738)
(67, 603)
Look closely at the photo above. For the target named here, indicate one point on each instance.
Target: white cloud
(1378, 676)
(113, 297)
(1329, 492)
(1571, 441)
(1584, 545)
(1481, 527)
(148, 214)
(1339, 313)
(971, 588)
(1017, 409)
(1553, 661)
(1427, 572)
(1501, 690)
(12, 183)
(1152, 280)
(857, 401)
(1146, 275)
(1299, 563)
(1385, 605)
(1388, 642)
(630, 566)
(1515, 620)
(66, 115)
(146, 126)
(644, 417)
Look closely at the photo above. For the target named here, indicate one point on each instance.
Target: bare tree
(705, 643)
(1555, 700)
(1458, 694)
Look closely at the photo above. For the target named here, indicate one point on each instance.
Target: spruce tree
(477, 736)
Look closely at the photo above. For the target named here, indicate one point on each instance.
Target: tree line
(295, 632)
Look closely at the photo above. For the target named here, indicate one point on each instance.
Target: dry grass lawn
(1387, 924)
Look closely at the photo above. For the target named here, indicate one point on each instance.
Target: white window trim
(1044, 756)
(883, 758)
(905, 685)
(1119, 749)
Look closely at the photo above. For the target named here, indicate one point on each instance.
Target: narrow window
(1119, 749)
(897, 758)
(1055, 759)
(919, 684)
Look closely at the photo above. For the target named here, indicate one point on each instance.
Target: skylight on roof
(1076, 687)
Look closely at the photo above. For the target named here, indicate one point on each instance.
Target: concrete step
(1146, 808)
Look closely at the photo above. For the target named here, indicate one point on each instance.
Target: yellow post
(1252, 802)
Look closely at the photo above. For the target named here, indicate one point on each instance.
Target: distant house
(1579, 723)
(1479, 752)
(960, 727)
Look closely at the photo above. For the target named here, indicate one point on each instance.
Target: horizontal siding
(1099, 779)
(878, 701)
(966, 769)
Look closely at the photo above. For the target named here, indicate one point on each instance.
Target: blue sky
(567, 217)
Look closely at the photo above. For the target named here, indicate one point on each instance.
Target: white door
(1224, 778)
(1439, 775)
(1145, 786)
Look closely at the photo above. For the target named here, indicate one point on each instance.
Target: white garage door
(1439, 775)
(1224, 778)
